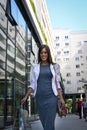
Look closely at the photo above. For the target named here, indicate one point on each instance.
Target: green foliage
(34, 9)
(69, 104)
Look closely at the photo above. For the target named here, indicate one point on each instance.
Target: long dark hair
(49, 54)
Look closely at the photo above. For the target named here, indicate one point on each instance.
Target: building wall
(45, 21)
(71, 55)
(17, 54)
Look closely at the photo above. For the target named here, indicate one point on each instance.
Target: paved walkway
(70, 122)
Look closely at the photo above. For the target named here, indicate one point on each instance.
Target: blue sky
(68, 14)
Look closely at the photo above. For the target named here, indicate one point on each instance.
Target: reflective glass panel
(9, 99)
(10, 56)
(2, 87)
(2, 49)
(3, 18)
(11, 31)
(20, 65)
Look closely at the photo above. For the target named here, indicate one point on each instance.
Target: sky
(70, 14)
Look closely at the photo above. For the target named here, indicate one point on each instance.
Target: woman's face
(44, 55)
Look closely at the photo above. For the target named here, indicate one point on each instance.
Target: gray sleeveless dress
(45, 99)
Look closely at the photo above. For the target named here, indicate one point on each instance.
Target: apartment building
(43, 15)
(71, 55)
(21, 34)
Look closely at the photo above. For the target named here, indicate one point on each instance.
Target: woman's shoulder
(35, 65)
(56, 65)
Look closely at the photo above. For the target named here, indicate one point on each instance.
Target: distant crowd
(81, 106)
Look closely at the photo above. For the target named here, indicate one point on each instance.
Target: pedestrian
(84, 103)
(44, 87)
(79, 108)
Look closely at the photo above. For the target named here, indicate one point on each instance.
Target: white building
(43, 16)
(71, 55)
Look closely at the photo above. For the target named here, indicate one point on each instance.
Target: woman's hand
(63, 110)
(23, 100)
(60, 97)
(30, 90)
(62, 102)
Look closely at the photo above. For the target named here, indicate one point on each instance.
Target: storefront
(17, 40)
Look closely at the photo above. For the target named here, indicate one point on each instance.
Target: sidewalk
(70, 122)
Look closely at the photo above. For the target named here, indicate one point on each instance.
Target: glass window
(20, 43)
(3, 4)
(19, 55)
(77, 73)
(28, 48)
(14, 10)
(28, 68)
(82, 71)
(11, 31)
(57, 37)
(77, 66)
(21, 25)
(79, 51)
(67, 59)
(66, 37)
(19, 92)
(2, 49)
(32, 58)
(68, 82)
(9, 13)
(9, 109)
(3, 19)
(66, 44)
(20, 65)
(82, 64)
(34, 46)
(10, 56)
(28, 55)
(77, 58)
(28, 62)
(68, 74)
(2, 87)
(66, 52)
(57, 44)
(2, 82)
(9, 98)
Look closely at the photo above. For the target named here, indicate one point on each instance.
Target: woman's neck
(44, 62)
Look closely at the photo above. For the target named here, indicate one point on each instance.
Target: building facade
(43, 16)
(71, 55)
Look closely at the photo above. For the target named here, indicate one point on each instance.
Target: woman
(44, 87)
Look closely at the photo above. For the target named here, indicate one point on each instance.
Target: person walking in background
(84, 103)
(44, 88)
(79, 108)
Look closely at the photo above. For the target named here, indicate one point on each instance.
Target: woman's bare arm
(60, 96)
(30, 90)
